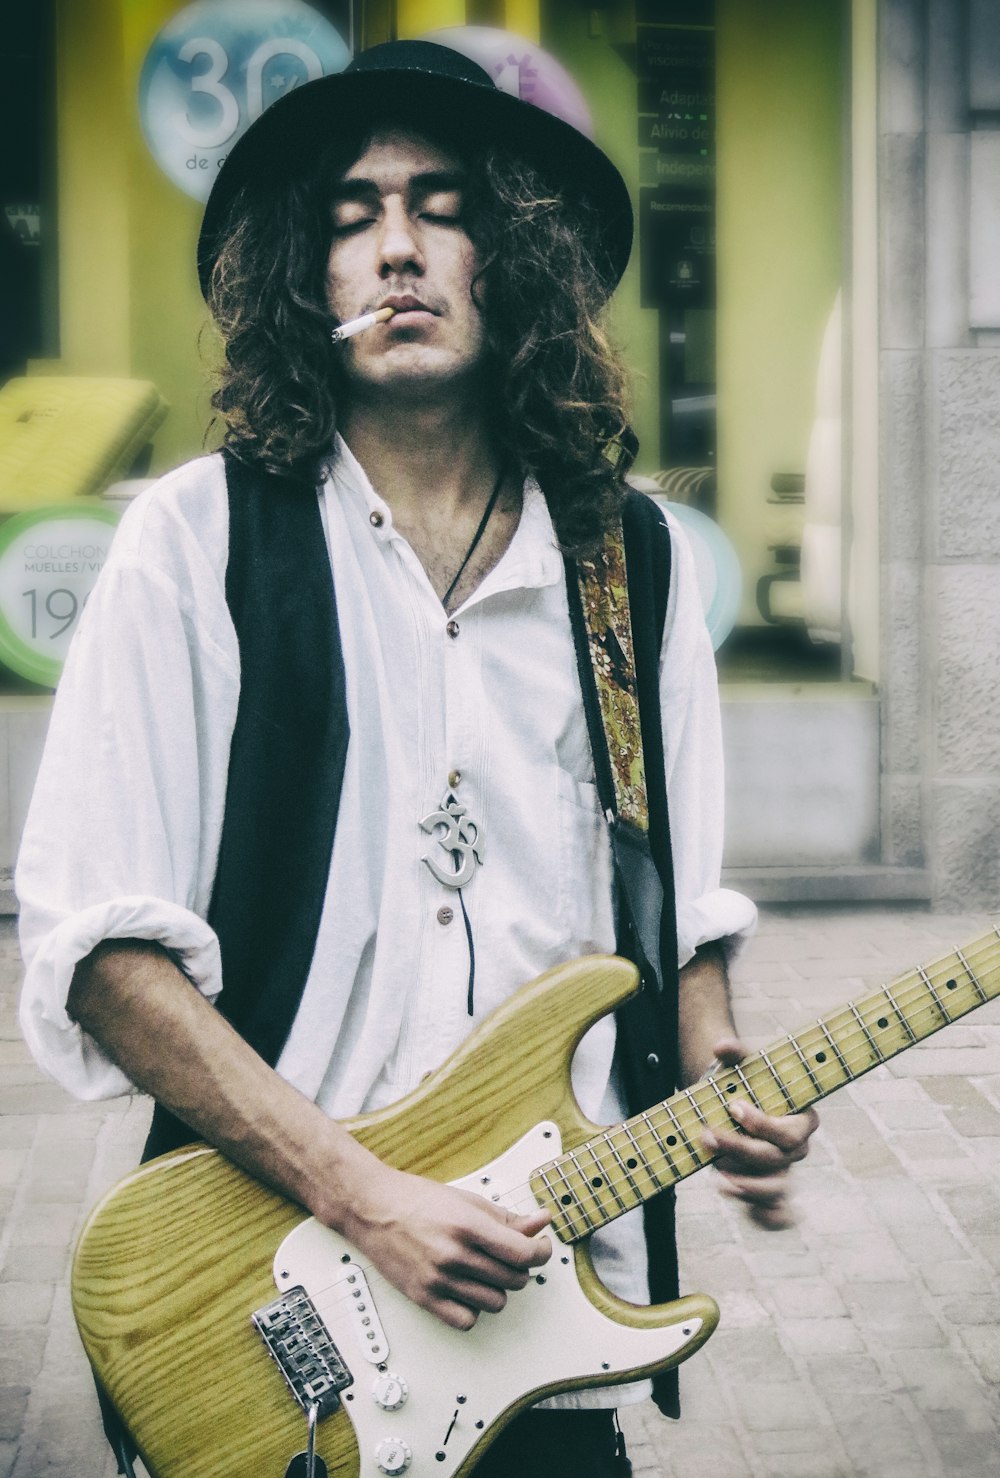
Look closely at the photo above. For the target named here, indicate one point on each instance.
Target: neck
(429, 455)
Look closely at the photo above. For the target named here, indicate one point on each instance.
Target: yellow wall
(129, 300)
(590, 44)
(780, 222)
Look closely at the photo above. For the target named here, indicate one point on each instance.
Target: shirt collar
(532, 559)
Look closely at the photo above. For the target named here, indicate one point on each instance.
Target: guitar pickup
(300, 1345)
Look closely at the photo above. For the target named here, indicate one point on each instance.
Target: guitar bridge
(300, 1345)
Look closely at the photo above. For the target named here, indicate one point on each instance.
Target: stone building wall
(939, 226)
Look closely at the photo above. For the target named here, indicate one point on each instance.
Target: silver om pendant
(460, 837)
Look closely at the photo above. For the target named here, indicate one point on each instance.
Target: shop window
(737, 160)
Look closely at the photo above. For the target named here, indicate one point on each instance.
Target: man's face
(399, 239)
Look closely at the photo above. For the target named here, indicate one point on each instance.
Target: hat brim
(285, 140)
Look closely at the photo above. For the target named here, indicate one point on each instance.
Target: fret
(777, 1078)
(669, 1157)
(864, 1027)
(804, 1061)
(590, 1189)
(983, 997)
(836, 1050)
(696, 1106)
(643, 1160)
(680, 1130)
(560, 1210)
(719, 1094)
(605, 1176)
(747, 1088)
(624, 1166)
(937, 999)
(574, 1199)
(902, 1019)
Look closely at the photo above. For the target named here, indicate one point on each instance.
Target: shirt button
(452, 628)
(376, 520)
(652, 1060)
(454, 777)
(445, 915)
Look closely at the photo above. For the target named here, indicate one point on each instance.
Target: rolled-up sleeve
(692, 743)
(122, 834)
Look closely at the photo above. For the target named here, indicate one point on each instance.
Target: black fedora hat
(419, 79)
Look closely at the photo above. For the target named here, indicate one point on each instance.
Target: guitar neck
(628, 1164)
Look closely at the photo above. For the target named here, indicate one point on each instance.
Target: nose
(399, 247)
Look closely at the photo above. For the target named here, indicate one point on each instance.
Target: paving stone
(895, 1312)
(944, 1278)
(13, 1405)
(24, 1303)
(769, 1406)
(807, 1298)
(21, 1353)
(983, 1344)
(34, 1265)
(937, 1381)
(823, 1337)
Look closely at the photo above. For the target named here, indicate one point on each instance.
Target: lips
(405, 303)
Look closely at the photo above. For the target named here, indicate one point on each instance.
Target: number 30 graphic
(215, 67)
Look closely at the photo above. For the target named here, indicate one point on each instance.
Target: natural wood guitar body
(175, 1260)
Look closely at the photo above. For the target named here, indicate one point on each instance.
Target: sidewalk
(863, 1343)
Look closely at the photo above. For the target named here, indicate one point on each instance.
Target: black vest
(286, 771)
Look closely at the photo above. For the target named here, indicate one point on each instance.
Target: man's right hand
(450, 1251)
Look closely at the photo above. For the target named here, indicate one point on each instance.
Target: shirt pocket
(586, 908)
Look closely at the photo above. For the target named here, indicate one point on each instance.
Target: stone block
(23, 1304)
(968, 670)
(965, 845)
(903, 263)
(901, 66)
(826, 1337)
(902, 392)
(984, 48)
(13, 1405)
(947, 68)
(966, 392)
(948, 285)
(880, 1438)
(939, 1381)
(983, 1344)
(801, 778)
(902, 648)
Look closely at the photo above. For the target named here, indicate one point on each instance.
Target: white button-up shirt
(123, 832)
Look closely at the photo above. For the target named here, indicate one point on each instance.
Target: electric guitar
(231, 1330)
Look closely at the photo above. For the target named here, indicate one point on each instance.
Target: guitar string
(375, 1279)
(945, 969)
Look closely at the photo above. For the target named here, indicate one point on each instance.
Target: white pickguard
(460, 1382)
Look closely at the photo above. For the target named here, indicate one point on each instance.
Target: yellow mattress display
(68, 437)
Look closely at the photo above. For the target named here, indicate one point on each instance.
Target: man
(176, 799)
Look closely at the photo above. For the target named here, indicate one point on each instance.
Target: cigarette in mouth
(358, 325)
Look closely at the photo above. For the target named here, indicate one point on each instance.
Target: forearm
(704, 1011)
(453, 1253)
(138, 1006)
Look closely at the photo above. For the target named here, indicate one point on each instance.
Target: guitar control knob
(389, 1391)
(392, 1455)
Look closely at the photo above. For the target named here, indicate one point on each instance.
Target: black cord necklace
(475, 538)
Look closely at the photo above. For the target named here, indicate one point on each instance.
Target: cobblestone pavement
(863, 1343)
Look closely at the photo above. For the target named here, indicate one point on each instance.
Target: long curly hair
(558, 389)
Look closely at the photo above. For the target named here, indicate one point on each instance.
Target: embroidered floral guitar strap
(616, 736)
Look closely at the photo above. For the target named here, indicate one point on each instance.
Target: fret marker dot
(597, 1181)
(631, 1164)
(566, 1200)
(882, 1022)
(731, 1088)
(951, 984)
(671, 1139)
(820, 1056)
